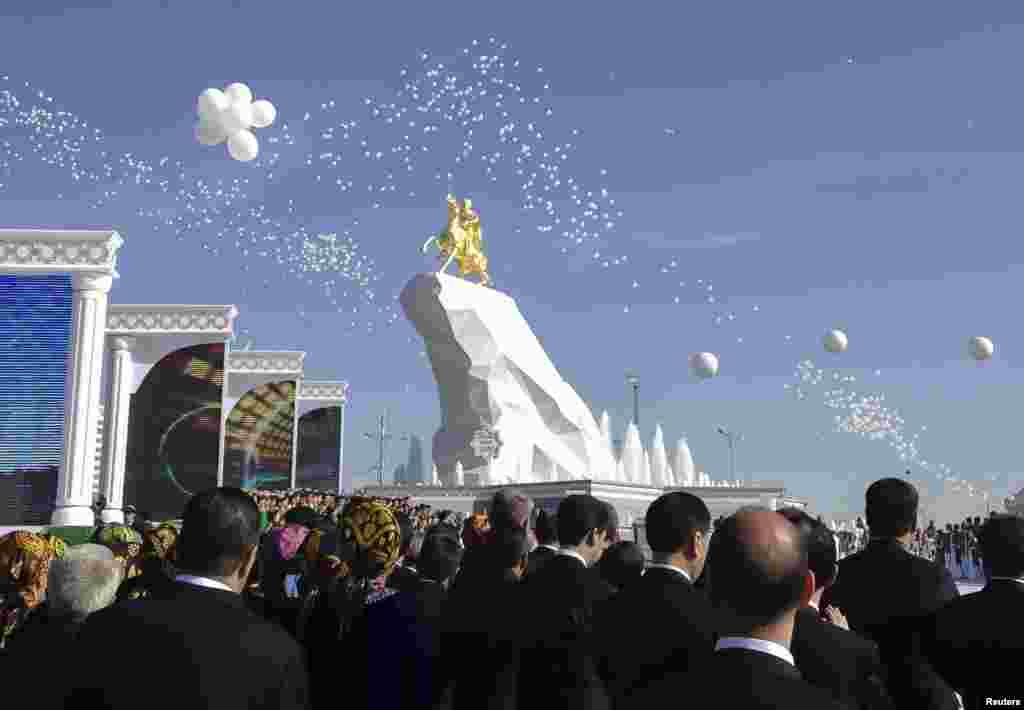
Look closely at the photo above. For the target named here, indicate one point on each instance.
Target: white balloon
(239, 93)
(835, 341)
(237, 117)
(981, 348)
(704, 365)
(210, 133)
(243, 146)
(211, 103)
(263, 113)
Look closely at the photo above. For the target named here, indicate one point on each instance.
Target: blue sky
(834, 165)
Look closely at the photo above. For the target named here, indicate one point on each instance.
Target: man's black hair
(510, 547)
(752, 583)
(440, 555)
(673, 519)
(821, 544)
(890, 505)
(546, 528)
(578, 515)
(218, 528)
(1002, 546)
(621, 564)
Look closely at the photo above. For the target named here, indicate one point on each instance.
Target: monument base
(630, 500)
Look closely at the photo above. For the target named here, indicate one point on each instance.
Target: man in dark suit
(557, 664)
(973, 639)
(479, 644)
(759, 578)
(546, 531)
(830, 657)
(660, 622)
(885, 592)
(210, 650)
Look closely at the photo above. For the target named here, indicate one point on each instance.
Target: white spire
(645, 472)
(606, 433)
(683, 464)
(633, 455)
(659, 459)
(434, 478)
(460, 479)
(620, 472)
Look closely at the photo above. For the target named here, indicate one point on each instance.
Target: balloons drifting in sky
(229, 115)
(981, 348)
(704, 365)
(835, 341)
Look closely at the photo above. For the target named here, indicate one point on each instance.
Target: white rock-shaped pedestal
(492, 372)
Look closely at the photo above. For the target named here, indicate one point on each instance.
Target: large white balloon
(243, 146)
(263, 113)
(211, 103)
(237, 117)
(210, 132)
(981, 348)
(239, 93)
(835, 341)
(704, 365)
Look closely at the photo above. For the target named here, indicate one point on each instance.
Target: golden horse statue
(461, 241)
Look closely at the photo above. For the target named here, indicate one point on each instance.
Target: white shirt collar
(759, 645)
(573, 553)
(665, 565)
(553, 548)
(203, 582)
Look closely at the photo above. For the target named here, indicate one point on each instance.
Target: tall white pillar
(82, 399)
(341, 449)
(116, 443)
(295, 432)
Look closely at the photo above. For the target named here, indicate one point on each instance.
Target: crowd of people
(308, 600)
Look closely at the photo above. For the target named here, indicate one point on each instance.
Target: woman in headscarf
(157, 566)
(125, 543)
(367, 547)
(25, 564)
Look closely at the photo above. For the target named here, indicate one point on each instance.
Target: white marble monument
(492, 373)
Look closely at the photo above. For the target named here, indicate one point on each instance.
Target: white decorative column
(90, 257)
(295, 432)
(119, 396)
(155, 330)
(247, 369)
(81, 410)
(314, 395)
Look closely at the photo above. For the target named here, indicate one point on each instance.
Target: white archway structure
(246, 370)
(139, 337)
(91, 259)
(315, 395)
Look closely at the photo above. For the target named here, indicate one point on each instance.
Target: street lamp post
(634, 380)
(731, 438)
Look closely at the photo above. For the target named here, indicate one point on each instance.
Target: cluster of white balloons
(229, 115)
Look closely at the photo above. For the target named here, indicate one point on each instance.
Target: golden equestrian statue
(461, 241)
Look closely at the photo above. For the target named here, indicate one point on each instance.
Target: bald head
(758, 563)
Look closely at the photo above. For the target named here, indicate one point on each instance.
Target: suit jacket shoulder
(200, 637)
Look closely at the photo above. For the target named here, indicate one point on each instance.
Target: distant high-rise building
(415, 471)
(400, 474)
